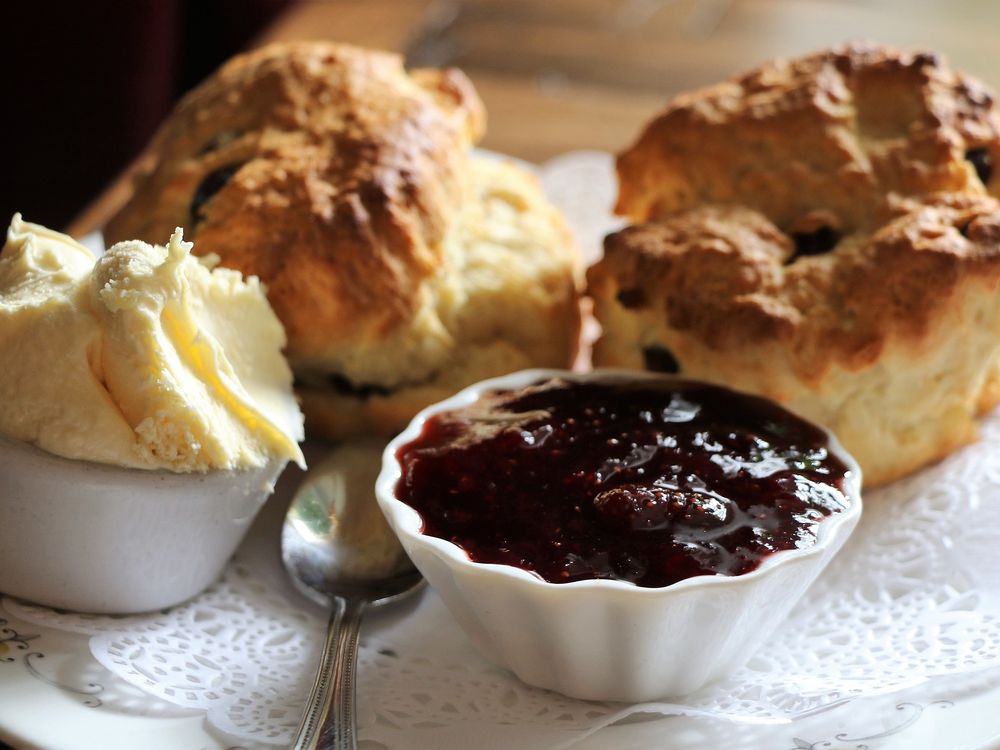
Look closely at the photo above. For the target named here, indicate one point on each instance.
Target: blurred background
(87, 83)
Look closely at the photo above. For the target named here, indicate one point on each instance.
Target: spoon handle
(330, 718)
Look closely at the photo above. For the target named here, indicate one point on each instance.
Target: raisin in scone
(402, 264)
(822, 231)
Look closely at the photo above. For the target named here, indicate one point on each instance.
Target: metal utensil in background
(339, 552)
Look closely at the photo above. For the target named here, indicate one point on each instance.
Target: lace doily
(913, 596)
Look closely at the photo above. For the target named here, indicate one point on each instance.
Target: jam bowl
(97, 538)
(613, 535)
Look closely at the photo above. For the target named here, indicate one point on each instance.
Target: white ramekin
(94, 538)
(609, 640)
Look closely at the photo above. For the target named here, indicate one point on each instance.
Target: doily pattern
(242, 652)
(913, 596)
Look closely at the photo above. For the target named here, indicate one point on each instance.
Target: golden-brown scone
(507, 301)
(347, 184)
(836, 132)
(839, 253)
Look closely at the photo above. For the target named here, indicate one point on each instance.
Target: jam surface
(648, 482)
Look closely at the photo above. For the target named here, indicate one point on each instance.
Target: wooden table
(558, 75)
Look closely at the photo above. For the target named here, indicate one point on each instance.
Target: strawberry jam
(644, 481)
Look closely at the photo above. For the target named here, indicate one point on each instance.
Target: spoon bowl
(339, 552)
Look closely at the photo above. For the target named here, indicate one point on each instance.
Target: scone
(821, 231)
(402, 264)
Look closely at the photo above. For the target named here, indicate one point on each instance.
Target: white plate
(54, 696)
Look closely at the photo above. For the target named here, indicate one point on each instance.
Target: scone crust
(346, 171)
(821, 231)
(723, 276)
(837, 131)
(509, 299)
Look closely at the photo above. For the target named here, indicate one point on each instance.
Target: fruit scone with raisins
(403, 264)
(822, 231)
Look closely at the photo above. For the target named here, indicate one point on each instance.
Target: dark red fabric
(84, 86)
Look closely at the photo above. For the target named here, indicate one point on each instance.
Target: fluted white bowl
(95, 538)
(604, 639)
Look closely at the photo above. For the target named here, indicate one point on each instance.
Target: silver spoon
(340, 552)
